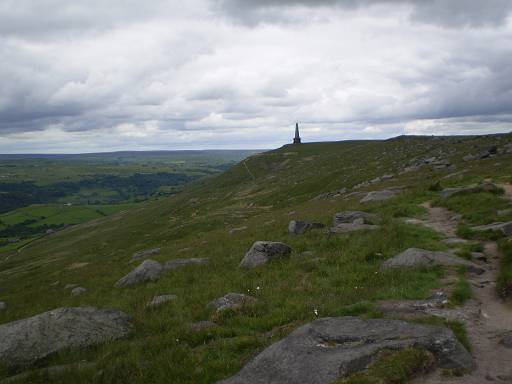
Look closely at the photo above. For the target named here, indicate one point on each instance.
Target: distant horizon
(304, 142)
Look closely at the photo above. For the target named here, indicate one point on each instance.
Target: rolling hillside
(219, 219)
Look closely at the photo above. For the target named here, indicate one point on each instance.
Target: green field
(219, 218)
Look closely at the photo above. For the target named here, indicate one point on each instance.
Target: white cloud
(102, 76)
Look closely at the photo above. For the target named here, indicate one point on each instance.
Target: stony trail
(486, 316)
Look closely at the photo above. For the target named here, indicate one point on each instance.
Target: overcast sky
(101, 75)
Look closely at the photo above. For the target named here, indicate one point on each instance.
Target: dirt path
(486, 316)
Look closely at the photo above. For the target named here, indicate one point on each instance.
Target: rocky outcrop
(161, 299)
(382, 195)
(298, 227)
(149, 270)
(485, 187)
(143, 254)
(351, 216)
(331, 348)
(177, 263)
(505, 228)
(231, 301)
(416, 257)
(28, 340)
(262, 252)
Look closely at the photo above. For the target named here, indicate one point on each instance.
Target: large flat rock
(331, 348)
(416, 257)
(352, 227)
(25, 341)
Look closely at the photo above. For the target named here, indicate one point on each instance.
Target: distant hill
(220, 217)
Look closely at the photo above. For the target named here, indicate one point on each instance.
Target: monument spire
(296, 139)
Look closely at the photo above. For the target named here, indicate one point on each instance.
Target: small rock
(504, 212)
(507, 340)
(203, 325)
(306, 254)
(28, 340)
(454, 240)
(148, 252)
(505, 228)
(3, 306)
(161, 299)
(149, 270)
(239, 229)
(231, 301)
(351, 216)
(479, 256)
(177, 263)
(297, 227)
(78, 291)
(262, 252)
(352, 227)
(384, 194)
(70, 286)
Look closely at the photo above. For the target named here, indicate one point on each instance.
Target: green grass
(462, 291)
(394, 367)
(342, 277)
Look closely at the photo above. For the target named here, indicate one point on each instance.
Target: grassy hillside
(220, 218)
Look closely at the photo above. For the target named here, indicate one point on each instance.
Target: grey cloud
(445, 13)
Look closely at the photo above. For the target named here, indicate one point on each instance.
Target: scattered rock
(70, 286)
(239, 229)
(149, 270)
(161, 299)
(479, 256)
(331, 348)
(297, 227)
(306, 254)
(505, 228)
(331, 195)
(231, 301)
(262, 252)
(436, 301)
(143, 254)
(173, 264)
(28, 340)
(352, 227)
(504, 212)
(416, 257)
(351, 216)
(3, 306)
(454, 240)
(203, 325)
(506, 340)
(485, 187)
(78, 291)
(384, 194)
